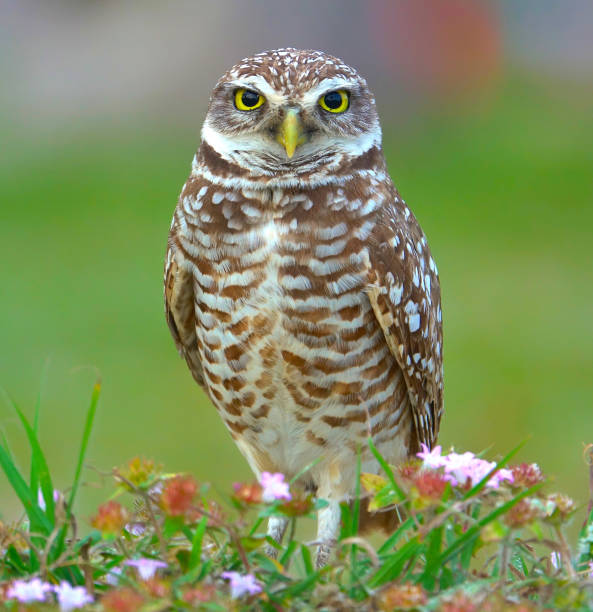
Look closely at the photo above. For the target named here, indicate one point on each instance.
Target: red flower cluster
(522, 513)
(460, 602)
(110, 519)
(299, 505)
(178, 495)
(125, 599)
(526, 475)
(408, 471)
(248, 493)
(197, 595)
(430, 485)
(157, 587)
(401, 597)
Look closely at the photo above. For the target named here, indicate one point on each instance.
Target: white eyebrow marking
(326, 85)
(258, 82)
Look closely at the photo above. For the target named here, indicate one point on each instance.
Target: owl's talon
(323, 554)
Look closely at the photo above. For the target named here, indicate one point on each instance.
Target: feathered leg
(328, 528)
(276, 529)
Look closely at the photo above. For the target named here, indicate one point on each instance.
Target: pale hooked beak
(290, 135)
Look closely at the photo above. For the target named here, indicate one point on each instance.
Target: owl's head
(290, 112)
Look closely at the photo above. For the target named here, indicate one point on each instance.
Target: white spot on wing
(414, 322)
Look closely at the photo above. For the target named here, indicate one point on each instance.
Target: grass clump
(473, 535)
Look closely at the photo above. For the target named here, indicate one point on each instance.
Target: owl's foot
(276, 529)
(323, 554)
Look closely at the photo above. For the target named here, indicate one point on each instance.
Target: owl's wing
(406, 298)
(179, 310)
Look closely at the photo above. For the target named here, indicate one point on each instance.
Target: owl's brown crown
(294, 71)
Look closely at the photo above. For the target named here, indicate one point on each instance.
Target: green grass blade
(34, 479)
(14, 560)
(304, 471)
(88, 426)
(434, 541)
(4, 442)
(300, 587)
(475, 529)
(287, 555)
(39, 520)
(307, 561)
(395, 563)
(38, 467)
(392, 540)
(388, 472)
(196, 545)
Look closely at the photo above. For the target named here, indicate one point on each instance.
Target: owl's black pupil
(250, 98)
(333, 100)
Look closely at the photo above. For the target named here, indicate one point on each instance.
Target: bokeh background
(487, 109)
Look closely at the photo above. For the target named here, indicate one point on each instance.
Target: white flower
(146, 567)
(70, 597)
(274, 487)
(242, 584)
(28, 591)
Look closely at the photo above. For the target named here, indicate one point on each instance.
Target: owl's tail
(380, 520)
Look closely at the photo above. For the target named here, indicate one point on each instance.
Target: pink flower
(274, 487)
(590, 569)
(463, 468)
(70, 597)
(242, 584)
(29, 591)
(146, 567)
(432, 458)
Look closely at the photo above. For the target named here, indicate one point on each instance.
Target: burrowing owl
(299, 286)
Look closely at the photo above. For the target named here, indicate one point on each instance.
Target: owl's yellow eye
(246, 100)
(335, 101)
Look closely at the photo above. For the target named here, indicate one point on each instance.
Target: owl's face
(289, 112)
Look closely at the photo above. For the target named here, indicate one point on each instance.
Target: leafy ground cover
(473, 535)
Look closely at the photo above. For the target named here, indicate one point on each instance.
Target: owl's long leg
(328, 527)
(276, 529)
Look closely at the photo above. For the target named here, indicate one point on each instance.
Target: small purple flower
(555, 559)
(242, 584)
(590, 569)
(274, 487)
(41, 499)
(135, 529)
(29, 591)
(70, 597)
(113, 576)
(146, 567)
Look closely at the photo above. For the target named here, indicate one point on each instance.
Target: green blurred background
(488, 128)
